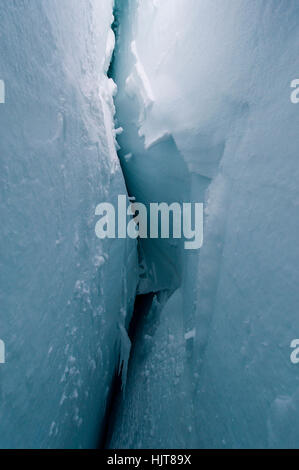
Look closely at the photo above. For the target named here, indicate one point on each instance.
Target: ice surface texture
(64, 293)
(219, 76)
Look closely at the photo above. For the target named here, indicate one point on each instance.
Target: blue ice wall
(64, 294)
(213, 366)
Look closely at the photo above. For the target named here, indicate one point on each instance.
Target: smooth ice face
(65, 295)
(215, 78)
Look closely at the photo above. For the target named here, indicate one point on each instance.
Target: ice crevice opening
(159, 164)
(153, 290)
(164, 267)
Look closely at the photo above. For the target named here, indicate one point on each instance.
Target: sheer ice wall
(64, 294)
(212, 368)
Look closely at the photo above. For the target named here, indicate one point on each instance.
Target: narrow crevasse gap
(160, 163)
(152, 294)
(150, 178)
(163, 327)
(142, 306)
